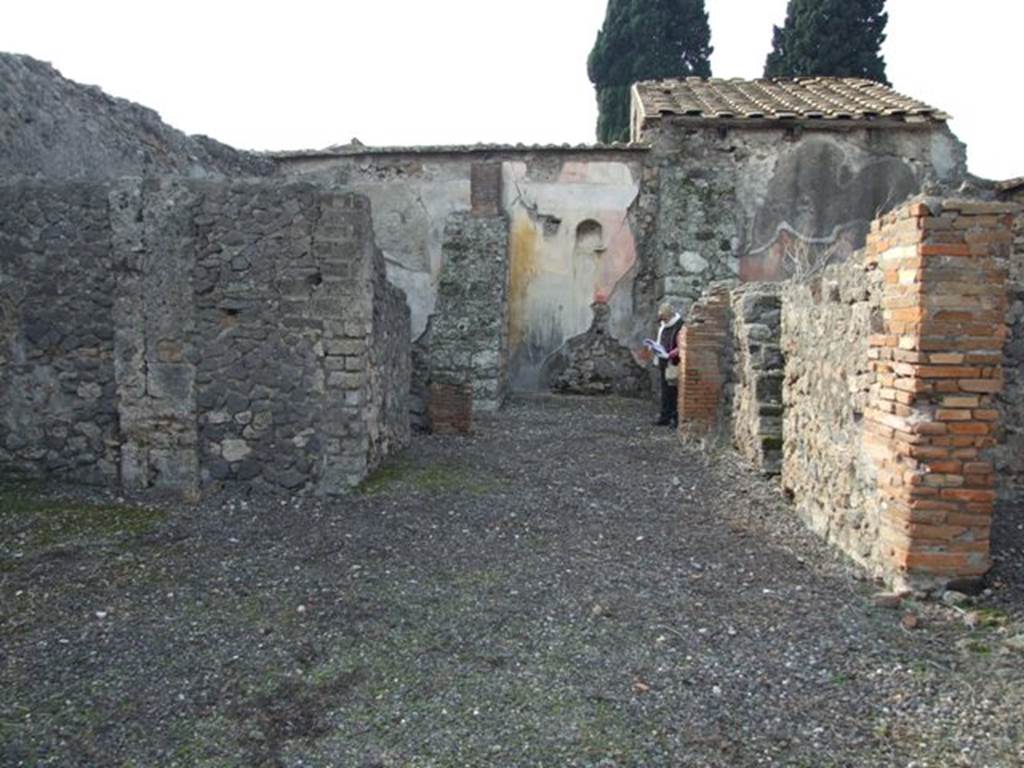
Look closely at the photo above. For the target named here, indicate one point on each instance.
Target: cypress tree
(644, 40)
(838, 38)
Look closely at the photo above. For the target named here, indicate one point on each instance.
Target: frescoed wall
(571, 246)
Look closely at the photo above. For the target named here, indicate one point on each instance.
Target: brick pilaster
(703, 348)
(938, 361)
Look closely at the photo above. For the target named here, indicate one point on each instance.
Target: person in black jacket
(669, 324)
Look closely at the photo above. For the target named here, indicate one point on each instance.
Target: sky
(303, 74)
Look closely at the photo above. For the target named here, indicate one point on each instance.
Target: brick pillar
(703, 345)
(450, 408)
(931, 418)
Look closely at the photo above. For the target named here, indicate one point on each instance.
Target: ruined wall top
(56, 128)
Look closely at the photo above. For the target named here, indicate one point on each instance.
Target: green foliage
(838, 38)
(644, 40)
(613, 113)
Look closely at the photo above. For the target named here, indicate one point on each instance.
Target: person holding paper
(666, 357)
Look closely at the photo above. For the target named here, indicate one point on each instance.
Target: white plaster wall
(408, 222)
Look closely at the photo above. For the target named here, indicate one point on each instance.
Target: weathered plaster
(730, 201)
(557, 268)
(571, 245)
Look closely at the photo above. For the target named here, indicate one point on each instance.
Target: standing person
(669, 324)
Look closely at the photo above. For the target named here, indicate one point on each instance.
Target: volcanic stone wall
(58, 414)
(895, 418)
(721, 200)
(388, 367)
(568, 240)
(199, 333)
(826, 326)
(630, 227)
(1008, 456)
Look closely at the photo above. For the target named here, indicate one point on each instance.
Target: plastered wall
(569, 233)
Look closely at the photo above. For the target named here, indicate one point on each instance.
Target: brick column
(703, 345)
(450, 408)
(938, 360)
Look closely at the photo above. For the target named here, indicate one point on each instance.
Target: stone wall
(893, 402)
(756, 410)
(1008, 456)
(469, 337)
(723, 200)
(55, 128)
(569, 224)
(826, 326)
(570, 235)
(219, 333)
(389, 364)
(58, 413)
(628, 228)
(156, 359)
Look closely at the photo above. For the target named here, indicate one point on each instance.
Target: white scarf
(667, 324)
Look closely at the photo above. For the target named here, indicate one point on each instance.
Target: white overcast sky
(302, 74)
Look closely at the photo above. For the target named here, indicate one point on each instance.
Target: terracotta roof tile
(807, 98)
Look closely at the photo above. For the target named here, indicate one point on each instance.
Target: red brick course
(703, 350)
(450, 408)
(938, 363)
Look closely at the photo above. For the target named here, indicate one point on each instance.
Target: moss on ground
(992, 617)
(32, 523)
(402, 474)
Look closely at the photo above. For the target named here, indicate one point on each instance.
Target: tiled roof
(805, 99)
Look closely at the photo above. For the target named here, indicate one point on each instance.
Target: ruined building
(179, 315)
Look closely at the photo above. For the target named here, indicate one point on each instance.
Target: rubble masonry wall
(826, 324)
(198, 333)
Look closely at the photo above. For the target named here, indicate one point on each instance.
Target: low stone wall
(756, 412)
(826, 325)
(243, 333)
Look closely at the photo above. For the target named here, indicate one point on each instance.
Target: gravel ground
(569, 586)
